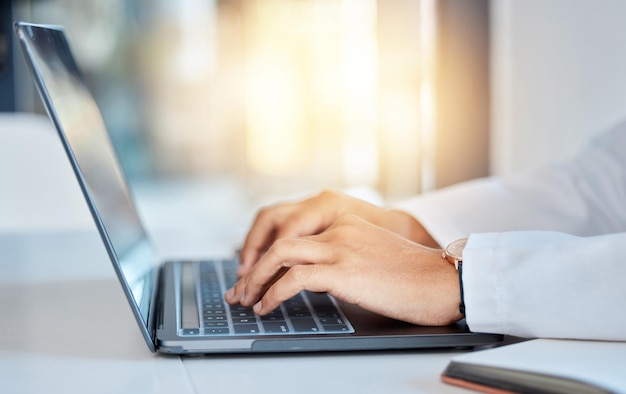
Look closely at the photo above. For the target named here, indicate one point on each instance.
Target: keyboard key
(273, 318)
(191, 331)
(276, 314)
(240, 308)
(215, 318)
(304, 325)
(243, 320)
(326, 322)
(275, 327)
(214, 312)
(299, 313)
(329, 315)
(306, 312)
(216, 331)
(246, 328)
(242, 313)
(216, 324)
(336, 328)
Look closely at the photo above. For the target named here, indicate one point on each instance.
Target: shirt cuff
(481, 284)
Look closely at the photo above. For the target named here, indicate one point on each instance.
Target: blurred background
(283, 96)
(266, 99)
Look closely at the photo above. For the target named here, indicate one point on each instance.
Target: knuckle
(328, 194)
(299, 275)
(271, 212)
(280, 244)
(291, 225)
(279, 249)
(344, 224)
(264, 212)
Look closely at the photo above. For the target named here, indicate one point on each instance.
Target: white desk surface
(65, 325)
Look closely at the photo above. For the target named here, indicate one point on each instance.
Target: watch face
(455, 249)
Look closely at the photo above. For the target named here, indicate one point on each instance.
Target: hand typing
(347, 256)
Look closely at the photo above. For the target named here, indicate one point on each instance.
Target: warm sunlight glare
(340, 91)
(427, 93)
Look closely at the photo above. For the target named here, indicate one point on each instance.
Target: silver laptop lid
(74, 112)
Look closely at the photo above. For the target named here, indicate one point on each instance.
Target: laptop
(179, 305)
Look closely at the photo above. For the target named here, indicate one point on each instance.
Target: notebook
(542, 366)
(175, 310)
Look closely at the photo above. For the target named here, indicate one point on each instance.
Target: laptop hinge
(155, 314)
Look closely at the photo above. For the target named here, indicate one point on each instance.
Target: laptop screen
(83, 133)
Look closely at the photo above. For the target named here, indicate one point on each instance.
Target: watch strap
(462, 305)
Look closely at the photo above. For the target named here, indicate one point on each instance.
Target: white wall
(558, 76)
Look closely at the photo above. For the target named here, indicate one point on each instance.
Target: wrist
(454, 254)
(439, 289)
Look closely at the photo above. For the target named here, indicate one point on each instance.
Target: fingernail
(258, 307)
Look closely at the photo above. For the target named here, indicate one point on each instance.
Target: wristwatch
(454, 254)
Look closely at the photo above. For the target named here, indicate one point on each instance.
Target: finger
(285, 253)
(312, 277)
(300, 223)
(237, 294)
(284, 221)
(261, 235)
(234, 295)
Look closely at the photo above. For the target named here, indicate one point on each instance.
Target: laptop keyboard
(307, 312)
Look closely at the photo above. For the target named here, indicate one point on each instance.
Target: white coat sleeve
(544, 254)
(585, 196)
(546, 284)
